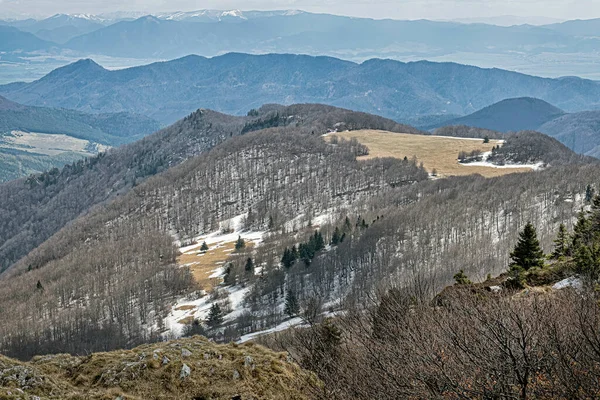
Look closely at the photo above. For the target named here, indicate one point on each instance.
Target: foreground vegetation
(191, 368)
(518, 336)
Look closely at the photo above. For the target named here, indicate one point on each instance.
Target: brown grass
(202, 265)
(216, 372)
(440, 153)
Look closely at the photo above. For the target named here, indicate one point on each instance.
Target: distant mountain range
(12, 39)
(35, 139)
(60, 27)
(572, 45)
(235, 83)
(579, 131)
(178, 35)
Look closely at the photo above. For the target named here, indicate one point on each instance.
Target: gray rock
(165, 360)
(185, 371)
(185, 353)
(248, 362)
(236, 375)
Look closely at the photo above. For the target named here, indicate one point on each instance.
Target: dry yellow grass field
(203, 265)
(436, 152)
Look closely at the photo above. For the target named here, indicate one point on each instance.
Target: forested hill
(33, 209)
(116, 264)
(234, 83)
(108, 129)
(509, 115)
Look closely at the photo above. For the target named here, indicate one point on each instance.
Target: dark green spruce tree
(561, 243)
(215, 316)
(249, 267)
(527, 253)
(292, 308)
(336, 237)
(240, 243)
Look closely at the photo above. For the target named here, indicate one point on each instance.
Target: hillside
(108, 129)
(12, 39)
(509, 115)
(189, 368)
(236, 83)
(37, 139)
(34, 209)
(274, 186)
(579, 131)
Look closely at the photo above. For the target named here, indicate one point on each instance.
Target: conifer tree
(249, 267)
(527, 253)
(582, 232)
(347, 225)
(39, 286)
(240, 243)
(561, 243)
(294, 253)
(336, 237)
(204, 247)
(229, 276)
(595, 214)
(305, 253)
(587, 260)
(292, 308)
(461, 278)
(215, 316)
(319, 242)
(589, 193)
(286, 259)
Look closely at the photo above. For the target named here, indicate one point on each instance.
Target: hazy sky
(397, 9)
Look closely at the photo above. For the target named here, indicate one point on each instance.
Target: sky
(396, 9)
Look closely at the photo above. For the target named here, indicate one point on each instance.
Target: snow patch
(573, 282)
(281, 327)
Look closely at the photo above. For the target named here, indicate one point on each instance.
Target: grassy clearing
(440, 153)
(203, 265)
(46, 143)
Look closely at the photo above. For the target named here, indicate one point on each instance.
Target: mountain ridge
(237, 82)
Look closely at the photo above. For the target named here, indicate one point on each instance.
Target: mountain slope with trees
(271, 175)
(509, 115)
(35, 208)
(580, 131)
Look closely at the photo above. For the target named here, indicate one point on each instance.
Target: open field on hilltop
(436, 152)
(48, 144)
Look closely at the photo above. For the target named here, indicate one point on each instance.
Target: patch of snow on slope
(573, 282)
(186, 308)
(281, 327)
(235, 225)
(485, 163)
